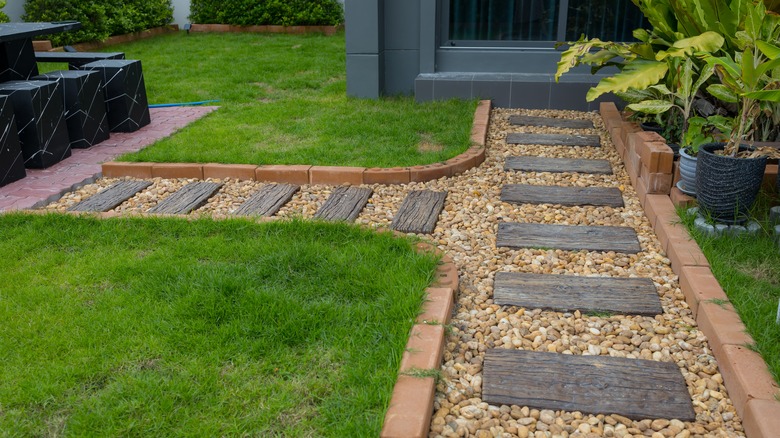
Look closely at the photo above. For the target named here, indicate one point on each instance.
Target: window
(539, 20)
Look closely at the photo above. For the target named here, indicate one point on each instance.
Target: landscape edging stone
(307, 174)
(746, 376)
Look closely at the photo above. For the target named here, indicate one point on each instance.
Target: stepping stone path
(554, 139)
(634, 388)
(188, 198)
(568, 237)
(568, 196)
(109, 198)
(419, 212)
(344, 204)
(268, 200)
(567, 293)
(558, 165)
(551, 122)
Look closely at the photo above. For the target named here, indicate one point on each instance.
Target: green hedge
(99, 19)
(3, 17)
(267, 12)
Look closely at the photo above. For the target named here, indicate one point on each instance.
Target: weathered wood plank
(186, 199)
(550, 121)
(109, 198)
(344, 204)
(419, 212)
(635, 388)
(565, 293)
(268, 200)
(558, 165)
(553, 139)
(568, 237)
(568, 196)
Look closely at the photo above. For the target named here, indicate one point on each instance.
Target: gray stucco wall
(14, 9)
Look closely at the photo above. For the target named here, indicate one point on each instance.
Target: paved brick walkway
(42, 186)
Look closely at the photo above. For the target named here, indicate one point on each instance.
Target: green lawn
(283, 101)
(170, 327)
(748, 270)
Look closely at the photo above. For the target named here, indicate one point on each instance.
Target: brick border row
(751, 386)
(307, 174)
(45, 45)
(326, 30)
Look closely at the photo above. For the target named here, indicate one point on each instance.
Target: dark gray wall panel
(364, 78)
(401, 67)
(402, 25)
(362, 23)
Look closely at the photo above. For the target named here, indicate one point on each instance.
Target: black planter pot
(726, 187)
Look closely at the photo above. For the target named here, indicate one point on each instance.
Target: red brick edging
(746, 376)
(327, 30)
(307, 174)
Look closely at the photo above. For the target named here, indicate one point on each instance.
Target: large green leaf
(651, 106)
(770, 95)
(707, 42)
(723, 93)
(771, 51)
(639, 74)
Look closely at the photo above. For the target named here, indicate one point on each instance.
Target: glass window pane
(609, 20)
(513, 20)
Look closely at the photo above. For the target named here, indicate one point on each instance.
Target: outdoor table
(17, 56)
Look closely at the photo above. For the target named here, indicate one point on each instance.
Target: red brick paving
(42, 186)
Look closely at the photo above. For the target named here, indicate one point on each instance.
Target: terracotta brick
(670, 228)
(680, 199)
(685, 252)
(656, 183)
(243, 172)
(295, 174)
(659, 206)
(42, 46)
(641, 190)
(276, 29)
(411, 407)
(382, 175)
(117, 169)
(296, 29)
(656, 155)
(461, 163)
(620, 147)
(675, 172)
(698, 284)
(438, 305)
(478, 153)
(722, 326)
(746, 376)
(632, 163)
(429, 172)
(770, 177)
(423, 247)
(424, 348)
(177, 170)
(447, 276)
(610, 114)
(336, 175)
(761, 418)
(628, 129)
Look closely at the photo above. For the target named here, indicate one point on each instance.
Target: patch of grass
(283, 101)
(163, 327)
(747, 269)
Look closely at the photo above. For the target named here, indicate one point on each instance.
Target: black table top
(15, 31)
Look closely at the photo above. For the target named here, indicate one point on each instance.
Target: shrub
(267, 12)
(99, 19)
(3, 17)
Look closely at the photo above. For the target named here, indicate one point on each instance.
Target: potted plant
(729, 174)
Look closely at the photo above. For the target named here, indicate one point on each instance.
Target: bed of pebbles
(467, 232)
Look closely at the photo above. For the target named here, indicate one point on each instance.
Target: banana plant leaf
(639, 74)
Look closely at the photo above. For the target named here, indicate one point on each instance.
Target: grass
(162, 327)
(283, 101)
(748, 270)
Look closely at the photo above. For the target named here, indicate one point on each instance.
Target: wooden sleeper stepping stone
(344, 204)
(187, 198)
(558, 165)
(634, 388)
(565, 293)
(568, 237)
(551, 122)
(419, 212)
(268, 200)
(553, 139)
(568, 196)
(111, 197)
